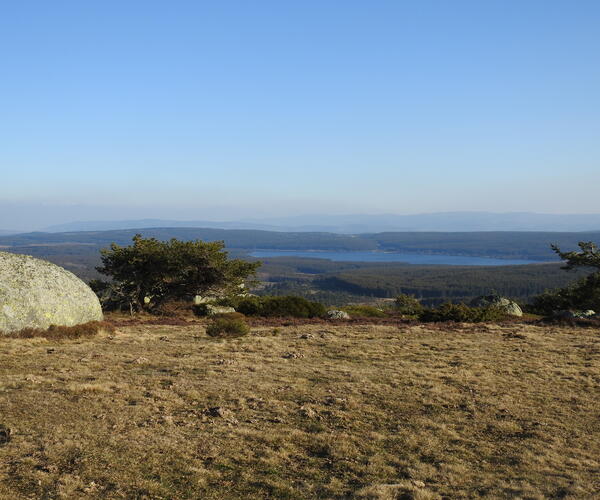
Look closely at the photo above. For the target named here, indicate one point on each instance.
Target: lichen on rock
(36, 294)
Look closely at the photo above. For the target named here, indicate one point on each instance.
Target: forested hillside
(523, 245)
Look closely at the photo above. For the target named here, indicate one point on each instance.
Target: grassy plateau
(310, 410)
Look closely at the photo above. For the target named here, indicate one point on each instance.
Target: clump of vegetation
(150, 272)
(462, 313)
(583, 294)
(54, 332)
(230, 315)
(408, 305)
(364, 311)
(276, 306)
(227, 327)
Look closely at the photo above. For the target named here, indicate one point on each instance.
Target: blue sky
(216, 110)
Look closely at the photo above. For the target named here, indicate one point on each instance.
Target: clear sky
(229, 109)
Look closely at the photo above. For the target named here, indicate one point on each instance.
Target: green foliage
(461, 313)
(584, 294)
(364, 311)
(151, 272)
(588, 256)
(227, 327)
(408, 305)
(434, 285)
(285, 306)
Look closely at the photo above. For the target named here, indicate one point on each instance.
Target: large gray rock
(36, 294)
(508, 306)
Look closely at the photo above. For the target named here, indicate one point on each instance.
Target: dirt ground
(303, 411)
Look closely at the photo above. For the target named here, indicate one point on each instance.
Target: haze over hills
(362, 223)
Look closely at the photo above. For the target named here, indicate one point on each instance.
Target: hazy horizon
(235, 110)
(34, 217)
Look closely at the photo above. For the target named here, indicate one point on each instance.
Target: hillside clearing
(307, 411)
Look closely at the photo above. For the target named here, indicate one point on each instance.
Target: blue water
(448, 260)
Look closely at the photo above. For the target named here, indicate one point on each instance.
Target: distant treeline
(509, 245)
(340, 282)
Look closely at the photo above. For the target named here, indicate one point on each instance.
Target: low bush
(408, 305)
(461, 313)
(227, 327)
(363, 311)
(55, 332)
(276, 306)
(581, 295)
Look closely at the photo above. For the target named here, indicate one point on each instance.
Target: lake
(448, 260)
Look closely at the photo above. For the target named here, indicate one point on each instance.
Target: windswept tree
(589, 256)
(583, 294)
(150, 272)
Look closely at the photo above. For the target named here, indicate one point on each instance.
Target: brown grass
(304, 411)
(61, 332)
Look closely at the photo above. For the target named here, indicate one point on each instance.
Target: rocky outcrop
(508, 306)
(36, 294)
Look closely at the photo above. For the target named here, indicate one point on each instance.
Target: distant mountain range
(360, 223)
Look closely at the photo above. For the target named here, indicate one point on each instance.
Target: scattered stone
(306, 336)
(575, 314)
(212, 310)
(220, 412)
(337, 314)
(293, 355)
(36, 294)
(164, 338)
(222, 361)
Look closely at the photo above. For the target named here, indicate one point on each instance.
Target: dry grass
(303, 411)
(55, 332)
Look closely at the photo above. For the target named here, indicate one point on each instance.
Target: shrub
(275, 306)
(461, 313)
(581, 295)
(364, 311)
(227, 327)
(408, 304)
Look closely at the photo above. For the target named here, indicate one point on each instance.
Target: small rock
(214, 310)
(306, 336)
(337, 314)
(224, 413)
(293, 355)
